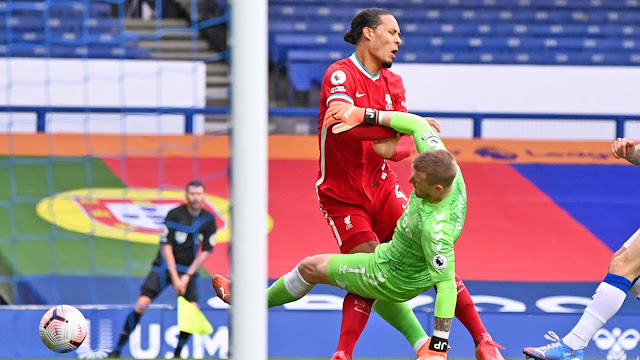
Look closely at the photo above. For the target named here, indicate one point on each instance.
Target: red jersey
(349, 167)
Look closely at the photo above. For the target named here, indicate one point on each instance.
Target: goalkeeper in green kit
(421, 253)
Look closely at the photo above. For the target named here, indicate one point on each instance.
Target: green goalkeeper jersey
(421, 251)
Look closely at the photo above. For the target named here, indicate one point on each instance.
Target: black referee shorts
(156, 282)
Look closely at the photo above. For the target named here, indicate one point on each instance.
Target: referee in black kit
(185, 228)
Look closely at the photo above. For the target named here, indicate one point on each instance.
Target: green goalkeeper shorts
(359, 274)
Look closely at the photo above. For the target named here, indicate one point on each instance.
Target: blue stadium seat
(314, 11)
(498, 4)
(281, 43)
(302, 75)
(324, 56)
(306, 35)
(64, 29)
(310, 26)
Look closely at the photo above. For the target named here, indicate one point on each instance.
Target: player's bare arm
(195, 266)
(626, 149)
(386, 147)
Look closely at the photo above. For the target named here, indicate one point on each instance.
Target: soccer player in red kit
(358, 191)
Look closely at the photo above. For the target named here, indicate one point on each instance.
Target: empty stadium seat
(64, 29)
(306, 35)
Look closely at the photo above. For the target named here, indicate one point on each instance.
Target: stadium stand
(306, 36)
(96, 29)
(64, 29)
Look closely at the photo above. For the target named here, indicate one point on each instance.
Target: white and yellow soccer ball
(63, 328)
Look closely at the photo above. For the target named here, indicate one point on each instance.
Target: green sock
(278, 294)
(401, 317)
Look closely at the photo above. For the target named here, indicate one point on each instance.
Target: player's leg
(352, 229)
(358, 274)
(191, 294)
(486, 348)
(410, 327)
(605, 302)
(151, 287)
(635, 287)
(355, 308)
(624, 268)
(293, 285)
(331, 269)
(299, 281)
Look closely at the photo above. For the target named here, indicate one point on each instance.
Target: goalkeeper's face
(422, 188)
(386, 41)
(195, 198)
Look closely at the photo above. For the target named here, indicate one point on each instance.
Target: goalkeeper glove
(347, 116)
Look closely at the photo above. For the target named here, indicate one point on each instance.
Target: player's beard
(195, 206)
(387, 64)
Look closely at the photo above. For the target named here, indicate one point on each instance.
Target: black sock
(182, 340)
(129, 325)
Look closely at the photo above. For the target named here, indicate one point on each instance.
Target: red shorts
(373, 220)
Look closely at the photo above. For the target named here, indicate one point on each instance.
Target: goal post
(249, 117)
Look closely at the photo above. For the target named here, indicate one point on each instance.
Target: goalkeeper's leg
(291, 287)
(355, 309)
(401, 317)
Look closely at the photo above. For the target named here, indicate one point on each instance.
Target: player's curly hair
(439, 165)
(366, 18)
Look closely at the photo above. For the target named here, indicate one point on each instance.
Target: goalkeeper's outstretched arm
(423, 134)
(346, 116)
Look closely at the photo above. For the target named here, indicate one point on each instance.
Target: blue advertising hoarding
(517, 315)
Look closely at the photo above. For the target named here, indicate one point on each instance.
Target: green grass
(30, 245)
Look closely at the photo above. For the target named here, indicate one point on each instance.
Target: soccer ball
(63, 328)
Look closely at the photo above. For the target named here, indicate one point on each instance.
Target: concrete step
(217, 92)
(183, 36)
(218, 68)
(175, 45)
(132, 24)
(218, 80)
(181, 55)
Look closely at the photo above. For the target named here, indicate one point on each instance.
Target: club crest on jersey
(440, 261)
(433, 141)
(347, 222)
(389, 105)
(338, 77)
